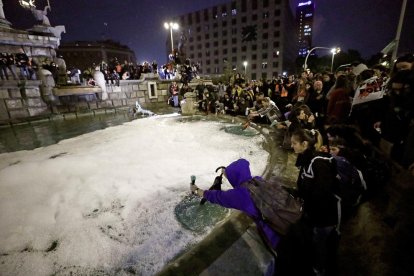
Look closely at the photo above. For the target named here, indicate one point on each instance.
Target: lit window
(233, 12)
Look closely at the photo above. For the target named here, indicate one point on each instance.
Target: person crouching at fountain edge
(239, 198)
(270, 110)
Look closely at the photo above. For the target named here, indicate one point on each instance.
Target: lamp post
(336, 49)
(171, 26)
(245, 68)
(397, 36)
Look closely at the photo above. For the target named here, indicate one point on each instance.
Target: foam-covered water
(103, 202)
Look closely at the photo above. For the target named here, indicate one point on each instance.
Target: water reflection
(240, 130)
(44, 133)
(196, 217)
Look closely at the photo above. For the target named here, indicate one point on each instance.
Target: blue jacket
(239, 198)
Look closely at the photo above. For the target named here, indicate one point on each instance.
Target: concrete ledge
(75, 90)
(17, 83)
(233, 248)
(246, 256)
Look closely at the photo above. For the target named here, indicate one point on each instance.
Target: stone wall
(20, 100)
(151, 93)
(23, 100)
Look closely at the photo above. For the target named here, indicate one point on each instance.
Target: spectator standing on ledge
(11, 65)
(22, 59)
(3, 66)
(174, 91)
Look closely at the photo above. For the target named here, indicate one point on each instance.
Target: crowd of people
(114, 70)
(334, 139)
(18, 65)
(320, 100)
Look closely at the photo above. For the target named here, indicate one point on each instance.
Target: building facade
(252, 37)
(85, 54)
(304, 16)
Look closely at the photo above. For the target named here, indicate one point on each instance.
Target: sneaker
(273, 123)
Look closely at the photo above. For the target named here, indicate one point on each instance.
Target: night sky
(364, 25)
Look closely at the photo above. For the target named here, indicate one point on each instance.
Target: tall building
(83, 54)
(252, 37)
(304, 17)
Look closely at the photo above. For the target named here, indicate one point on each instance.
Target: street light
(397, 36)
(336, 49)
(171, 26)
(245, 68)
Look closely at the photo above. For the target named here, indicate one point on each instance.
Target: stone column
(4, 23)
(189, 106)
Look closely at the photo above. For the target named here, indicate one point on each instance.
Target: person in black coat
(317, 186)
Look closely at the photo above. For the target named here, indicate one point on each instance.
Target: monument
(43, 23)
(4, 23)
(24, 97)
(41, 40)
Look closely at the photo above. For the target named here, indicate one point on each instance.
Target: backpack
(351, 182)
(278, 208)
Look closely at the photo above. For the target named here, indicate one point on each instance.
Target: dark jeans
(325, 247)
(307, 251)
(24, 72)
(3, 72)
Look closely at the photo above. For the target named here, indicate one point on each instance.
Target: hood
(359, 68)
(238, 172)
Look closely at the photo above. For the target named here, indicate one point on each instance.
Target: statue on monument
(41, 15)
(42, 19)
(181, 46)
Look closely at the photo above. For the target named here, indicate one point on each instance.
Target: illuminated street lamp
(333, 50)
(171, 26)
(245, 67)
(27, 4)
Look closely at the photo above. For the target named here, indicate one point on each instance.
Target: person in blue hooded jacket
(239, 198)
